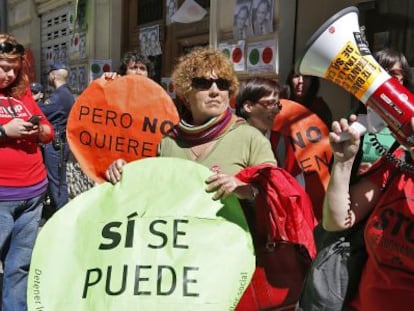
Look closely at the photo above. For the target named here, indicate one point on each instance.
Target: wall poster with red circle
(236, 53)
(98, 66)
(262, 56)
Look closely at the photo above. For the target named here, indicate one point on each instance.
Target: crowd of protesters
(34, 156)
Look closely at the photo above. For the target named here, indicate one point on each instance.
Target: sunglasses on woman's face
(205, 84)
(10, 48)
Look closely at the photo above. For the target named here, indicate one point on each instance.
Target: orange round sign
(308, 137)
(122, 118)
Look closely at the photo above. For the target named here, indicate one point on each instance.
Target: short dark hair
(312, 91)
(137, 58)
(388, 57)
(254, 89)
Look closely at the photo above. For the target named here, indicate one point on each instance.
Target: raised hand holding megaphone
(338, 52)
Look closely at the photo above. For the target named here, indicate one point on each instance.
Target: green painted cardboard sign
(154, 241)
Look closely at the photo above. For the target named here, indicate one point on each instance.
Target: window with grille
(55, 36)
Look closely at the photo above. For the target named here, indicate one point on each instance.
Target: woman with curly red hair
(209, 133)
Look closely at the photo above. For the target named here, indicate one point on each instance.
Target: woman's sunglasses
(205, 84)
(10, 48)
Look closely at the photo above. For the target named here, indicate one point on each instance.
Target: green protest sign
(154, 241)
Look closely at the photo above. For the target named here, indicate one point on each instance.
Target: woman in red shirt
(385, 198)
(23, 180)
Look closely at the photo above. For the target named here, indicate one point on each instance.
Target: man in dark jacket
(56, 108)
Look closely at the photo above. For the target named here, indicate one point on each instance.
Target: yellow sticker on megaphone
(352, 71)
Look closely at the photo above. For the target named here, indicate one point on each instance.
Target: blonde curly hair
(21, 84)
(200, 62)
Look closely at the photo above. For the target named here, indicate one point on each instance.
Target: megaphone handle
(359, 126)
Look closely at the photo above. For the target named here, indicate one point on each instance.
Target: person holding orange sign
(300, 136)
(208, 132)
(304, 90)
(132, 63)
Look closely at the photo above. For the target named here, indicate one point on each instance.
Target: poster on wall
(80, 14)
(98, 66)
(48, 55)
(78, 78)
(189, 12)
(55, 54)
(171, 8)
(262, 17)
(261, 56)
(149, 39)
(236, 53)
(242, 26)
(82, 79)
(71, 20)
(73, 79)
(82, 46)
(74, 44)
(77, 46)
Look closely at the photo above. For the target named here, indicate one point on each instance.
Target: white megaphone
(339, 53)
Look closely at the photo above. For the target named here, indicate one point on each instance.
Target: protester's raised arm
(337, 210)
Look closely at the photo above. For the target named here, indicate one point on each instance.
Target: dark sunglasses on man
(10, 48)
(201, 83)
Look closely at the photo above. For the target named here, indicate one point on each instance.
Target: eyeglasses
(7, 47)
(270, 103)
(205, 84)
